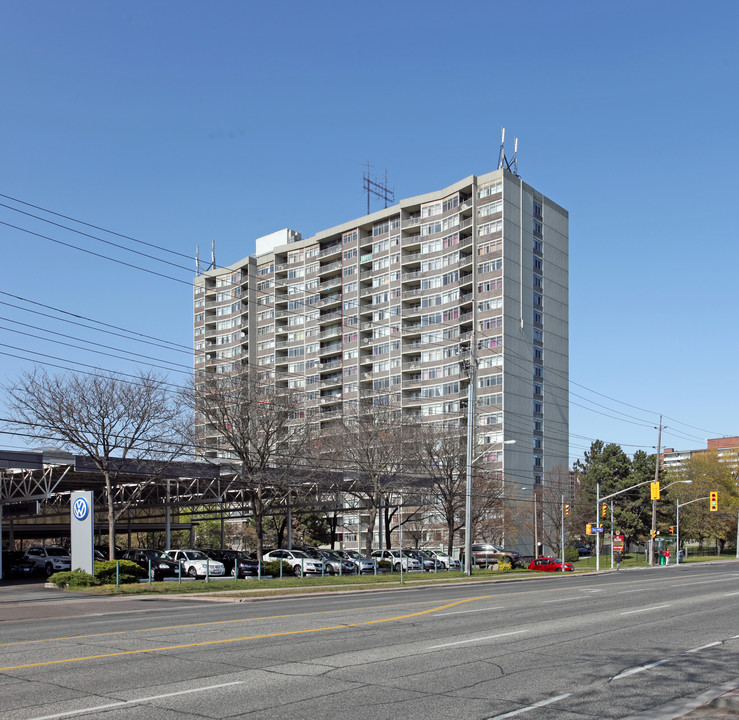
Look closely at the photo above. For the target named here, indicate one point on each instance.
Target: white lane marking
(572, 599)
(134, 702)
(539, 704)
(649, 666)
(459, 612)
(480, 639)
(655, 607)
(729, 594)
(639, 669)
(703, 647)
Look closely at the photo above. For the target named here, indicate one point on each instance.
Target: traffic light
(589, 529)
(672, 529)
(654, 488)
(714, 501)
(653, 534)
(567, 509)
(603, 510)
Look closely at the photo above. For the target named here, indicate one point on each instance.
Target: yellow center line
(241, 639)
(201, 624)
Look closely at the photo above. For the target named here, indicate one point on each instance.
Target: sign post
(82, 531)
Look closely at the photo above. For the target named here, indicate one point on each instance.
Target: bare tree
(441, 453)
(102, 416)
(371, 447)
(259, 426)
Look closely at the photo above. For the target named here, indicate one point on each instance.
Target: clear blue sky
(179, 123)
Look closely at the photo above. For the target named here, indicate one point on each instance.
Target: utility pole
(654, 502)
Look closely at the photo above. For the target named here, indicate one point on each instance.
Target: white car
(301, 563)
(49, 558)
(395, 559)
(197, 564)
(446, 560)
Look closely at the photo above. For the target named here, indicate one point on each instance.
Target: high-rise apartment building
(401, 303)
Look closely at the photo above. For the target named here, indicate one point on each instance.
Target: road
(554, 648)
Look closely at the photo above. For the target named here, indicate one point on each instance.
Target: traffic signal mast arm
(646, 482)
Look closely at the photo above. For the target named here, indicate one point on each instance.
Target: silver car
(49, 558)
(446, 560)
(197, 564)
(364, 565)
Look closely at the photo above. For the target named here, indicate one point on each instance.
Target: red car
(550, 564)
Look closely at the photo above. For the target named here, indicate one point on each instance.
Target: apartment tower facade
(408, 303)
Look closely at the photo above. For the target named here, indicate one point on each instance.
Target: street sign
(598, 529)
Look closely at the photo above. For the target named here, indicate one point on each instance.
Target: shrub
(273, 568)
(504, 566)
(571, 554)
(384, 565)
(129, 572)
(73, 579)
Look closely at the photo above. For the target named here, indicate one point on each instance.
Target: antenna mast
(373, 186)
(503, 162)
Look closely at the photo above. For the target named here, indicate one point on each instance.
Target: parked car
(301, 563)
(550, 564)
(16, 564)
(331, 563)
(156, 562)
(484, 554)
(102, 552)
(247, 566)
(446, 560)
(49, 558)
(339, 564)
(583, 550)
(428, 564)
(196, 563)
(364, 564)
(396, 559)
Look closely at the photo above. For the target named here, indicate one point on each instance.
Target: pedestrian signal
(567, 509)
(714, 501)
(603, 510)
(654, 491)
(589, 529)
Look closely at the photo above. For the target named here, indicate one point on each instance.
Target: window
(537, 282)
(490, 266)
(538, 264)
(349, 237)
(537, 209)
(538, 335)
(491, 323)
(491, 227)
(380, 228)
(538, 318)
(538, 354)
(538, 300)
(490, 381)
(492, 304)
(491, 208)
(350, 288)
(431, 209)
(431, 228)
(380, 246)
(490, 285)
(491, 189)
(537, 227)
(538, 390)
(350, 270)
(349, 254)
(537, 245)
(538, 372)
(489, 246)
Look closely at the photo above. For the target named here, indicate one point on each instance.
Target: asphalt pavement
(26, 601)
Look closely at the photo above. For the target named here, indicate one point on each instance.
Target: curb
(724, 696)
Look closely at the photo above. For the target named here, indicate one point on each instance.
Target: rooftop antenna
(197, 259)
(373, 186)
(501, 153)
(212, 255)
(503, 162)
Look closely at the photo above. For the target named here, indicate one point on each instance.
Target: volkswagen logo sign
(80, 508)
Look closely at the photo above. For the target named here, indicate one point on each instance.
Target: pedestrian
(667, 556)
(617, 559)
